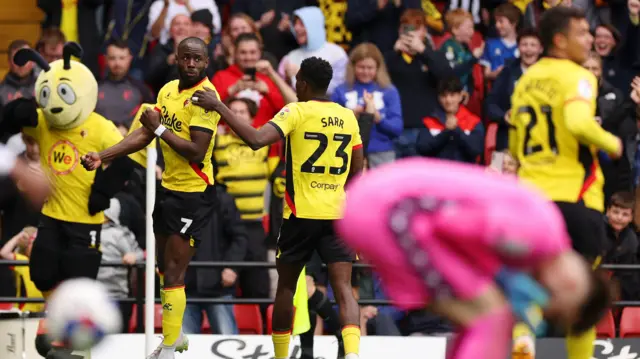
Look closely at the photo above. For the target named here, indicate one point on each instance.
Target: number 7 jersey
(320, 137)
(554, 133)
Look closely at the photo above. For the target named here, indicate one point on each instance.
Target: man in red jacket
(241, 80)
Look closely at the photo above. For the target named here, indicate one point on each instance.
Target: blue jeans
(405, 144)
(220, 317)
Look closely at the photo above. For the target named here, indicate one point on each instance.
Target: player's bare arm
(256, 139)
(134, 142)
(194, 150)
(357, 163)
(33, 185)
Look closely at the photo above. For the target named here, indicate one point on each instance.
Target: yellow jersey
(181, 117)
(60, 152)
(23, 281)
(320, 138)
(554, 134)
(141, 156)
(244, 171)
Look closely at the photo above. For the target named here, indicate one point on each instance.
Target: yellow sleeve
(357, 139)
(203, 119)
(21, 269)
(287, 119)
(579, 110)
(110, 134)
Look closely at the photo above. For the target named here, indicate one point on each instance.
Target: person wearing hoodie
(622, 242)
(453, 132)
(20, 80)
(309, 31)
(368, 92)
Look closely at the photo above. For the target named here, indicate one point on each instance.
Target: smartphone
(251, 71)
(497, 161)
(407, 29)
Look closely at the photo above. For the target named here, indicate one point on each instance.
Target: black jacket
(623, 249)
(89, 36)
(498, 101)
(158, 72)
(228, 242)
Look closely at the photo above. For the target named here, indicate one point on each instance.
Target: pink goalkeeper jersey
(438, 228)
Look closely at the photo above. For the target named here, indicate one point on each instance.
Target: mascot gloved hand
(66, 94)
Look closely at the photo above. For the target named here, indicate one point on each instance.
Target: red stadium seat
(269, 318)
(630, 323)
(248, 318)
(6, 306)
(606, 328)
(490, 142)
(206, 326)
(134, 319)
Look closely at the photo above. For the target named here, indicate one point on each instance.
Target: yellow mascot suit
(62, 120)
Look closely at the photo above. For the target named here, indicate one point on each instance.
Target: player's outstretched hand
(207, 99)
(91, 161)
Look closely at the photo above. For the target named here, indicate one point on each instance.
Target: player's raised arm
(578, 110)
(134, 142)
(256, 139)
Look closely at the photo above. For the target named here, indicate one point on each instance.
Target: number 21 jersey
(554, 133)
(320, 137)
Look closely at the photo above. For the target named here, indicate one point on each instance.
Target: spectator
(50, 46)
(498, 50)
(242, 80)
(472, 7)
(238, 24)
(120, 95)
(536, 8)
(456, 48)
(452, 133)
(246, 173)
(616, 116)
(376, 21)
(162, 13)
(415, 70)
(118, 244)
(201, 28)
(380, 320)
(127, 21)
(273, 19)
(19, 248)
(308, 29)
(20, 80)
(335, 26)
(619, 53)
(622, 242)
(228, 242)
(498, 101)
(78, 21)
(162, 66)
(368, 89)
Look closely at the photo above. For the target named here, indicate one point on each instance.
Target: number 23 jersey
(320, 137)
(554, 134)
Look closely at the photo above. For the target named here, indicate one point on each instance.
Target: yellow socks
(351, 339)
(581, 346)
(281, 344)
(172, 311)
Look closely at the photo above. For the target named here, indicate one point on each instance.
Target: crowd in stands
(425, 77)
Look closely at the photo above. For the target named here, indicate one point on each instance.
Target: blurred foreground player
(556, 139)
(427, 257)
(324, 150)
(31, 183)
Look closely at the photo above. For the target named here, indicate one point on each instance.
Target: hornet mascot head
(66, 90)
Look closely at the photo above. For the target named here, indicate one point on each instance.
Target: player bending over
(556, 138)
(442, 237)
(185, 202)
(323, 150)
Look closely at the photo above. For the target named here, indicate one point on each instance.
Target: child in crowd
(498, 50)
(456, 48)
(622, 242)
(19, 248)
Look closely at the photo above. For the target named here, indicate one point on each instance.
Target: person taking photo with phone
(241, 80)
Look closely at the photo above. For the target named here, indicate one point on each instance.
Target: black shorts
(586, 228)
(320, 274)
(64, 250)
(300, 237)
(188, 214)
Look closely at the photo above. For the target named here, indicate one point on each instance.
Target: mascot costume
(62, 120)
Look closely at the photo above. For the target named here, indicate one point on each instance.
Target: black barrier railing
(140, 269)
